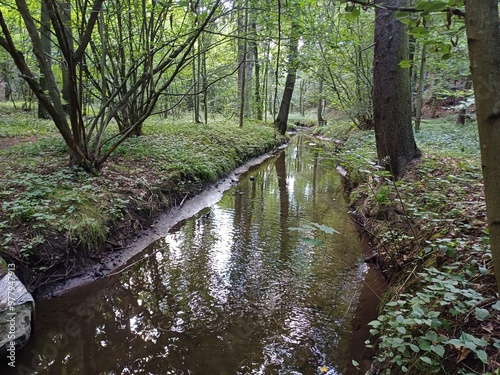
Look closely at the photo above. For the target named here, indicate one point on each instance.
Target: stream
(267, 280)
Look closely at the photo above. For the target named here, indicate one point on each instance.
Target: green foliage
(15, 123)
(444, 137)
(432, 219)
(414, 330)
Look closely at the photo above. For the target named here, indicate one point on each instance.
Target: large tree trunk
(483, 35)
(396, 145)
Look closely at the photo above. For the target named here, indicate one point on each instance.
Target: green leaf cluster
(414, 330)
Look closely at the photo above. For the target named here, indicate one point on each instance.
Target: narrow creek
(241, 287)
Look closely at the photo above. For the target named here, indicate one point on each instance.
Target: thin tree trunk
(483, 36)
(281, 121)
(420, 88)
(47, 51)
(301, 97)
(462, 112)
(321, 120)
(196, 86)
(204, 85)
(242, 71)
(266, 99)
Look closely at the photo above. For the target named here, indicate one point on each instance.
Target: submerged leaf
(311, 241)
(324, 228)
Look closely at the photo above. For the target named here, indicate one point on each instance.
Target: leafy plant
(415, 330)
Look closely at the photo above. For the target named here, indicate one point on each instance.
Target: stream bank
(428, 236)
(59, 223)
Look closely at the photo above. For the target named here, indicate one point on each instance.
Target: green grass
(444, 137)
(16, 123)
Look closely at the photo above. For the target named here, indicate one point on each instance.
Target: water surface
(242, 287)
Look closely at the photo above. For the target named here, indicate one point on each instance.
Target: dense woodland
(100, 69)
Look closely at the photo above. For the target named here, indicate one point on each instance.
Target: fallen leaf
(323, 369)
(464, 352)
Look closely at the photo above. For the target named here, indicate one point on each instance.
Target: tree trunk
(66, 65)
(462, 112)
(396, 145)
(282, 118)
(483, 37)
(301, 97)
(47, 51)
(420, 88)
(242, 59)
(321, 101)
(196, 86)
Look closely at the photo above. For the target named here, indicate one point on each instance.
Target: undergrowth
(441, 313)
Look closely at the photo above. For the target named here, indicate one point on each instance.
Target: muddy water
(258, 283)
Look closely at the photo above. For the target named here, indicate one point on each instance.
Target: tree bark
(483, 36)
(282, 118)
(321, 101)
(420, 89)
(47, 51)
(396, 145)
(242, 60)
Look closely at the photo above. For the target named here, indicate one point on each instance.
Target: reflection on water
(232, 290)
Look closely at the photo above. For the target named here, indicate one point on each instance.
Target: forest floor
(59, 223)
(441, 313)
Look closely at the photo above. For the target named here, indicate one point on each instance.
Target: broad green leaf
(406, 63)
(438, 349)
(324, 228)
(496, 343)
(468, 337)
(481, 354)
(481, 314)
(401, 329)
(417, 311)
(426, 360)
(424, 344)
(414, 347)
